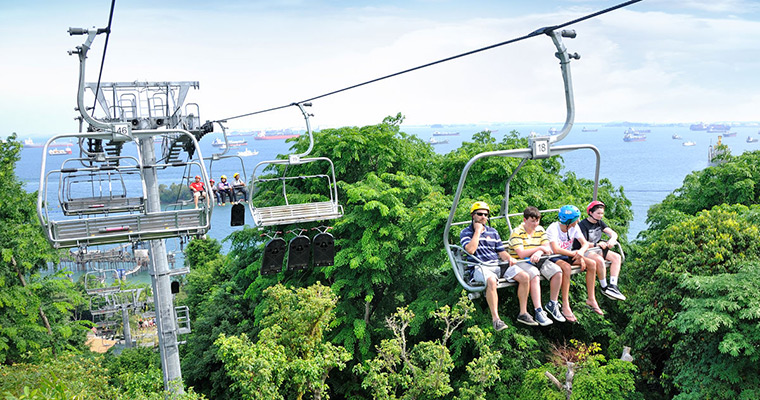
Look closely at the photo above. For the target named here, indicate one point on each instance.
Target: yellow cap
(224, 177)
(235, 175)
(479, 205)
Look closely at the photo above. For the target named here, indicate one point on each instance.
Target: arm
(504, 256)
(534, 253)
(613, 236)
(473, 244)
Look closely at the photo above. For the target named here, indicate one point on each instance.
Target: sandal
(595, 309)
(570, 317)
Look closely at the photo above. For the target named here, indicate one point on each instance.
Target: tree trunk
(42, 313)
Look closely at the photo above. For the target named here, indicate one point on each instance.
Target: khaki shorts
(484, 271)
(548, 268)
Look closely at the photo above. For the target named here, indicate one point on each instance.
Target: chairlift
(111, 213)
(100, 188)
(237, 214)
(291, 213)
(101, 276)
(540, 147)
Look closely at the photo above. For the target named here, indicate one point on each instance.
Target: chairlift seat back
(299, 253)
(274, 255)
(323, 249)
(237, 215)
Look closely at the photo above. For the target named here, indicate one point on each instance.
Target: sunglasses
(481, 214)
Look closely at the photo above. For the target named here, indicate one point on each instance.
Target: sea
(646, 170)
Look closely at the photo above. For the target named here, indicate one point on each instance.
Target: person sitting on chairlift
(562, 234)
(530, 244)
(198, 189)
(224, 188)
(238, 186)
(215, 192)
(485, 243)
(592, 229)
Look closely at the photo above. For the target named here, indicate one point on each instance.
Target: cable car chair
(99, 188)
(289, 213)
(540, 148)
(238, 210)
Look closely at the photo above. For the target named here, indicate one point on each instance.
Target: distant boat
(232, 143)
(438, 133)
(630, 137)
(718, 128)
(728, 134)
(589, 130)
(676, 136)
(750, 139)
(59, 152)
(645, 130)
(270, 135)
(698, 127)
(552, 130)
(435, 141)
(247, 153)
(689, 143)
(30, 143)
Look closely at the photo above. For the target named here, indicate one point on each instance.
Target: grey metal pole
(165, 323)
(125, 324)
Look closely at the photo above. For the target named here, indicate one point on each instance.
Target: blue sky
(654, 61)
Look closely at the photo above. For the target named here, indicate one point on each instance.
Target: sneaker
(555, 311)
(499, 325)
(541, 317)
(526, 319)
(613, 292)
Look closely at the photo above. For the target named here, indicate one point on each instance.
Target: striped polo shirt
(489, 245)
(520, 237)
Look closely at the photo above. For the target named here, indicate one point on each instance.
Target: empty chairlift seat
(291, 213)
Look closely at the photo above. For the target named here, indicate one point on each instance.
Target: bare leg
(535, 292)
(492, 298)
(615, 262)
(590, 282)
(554, 285)
(601, 270)
(566, 274)
(523, 287)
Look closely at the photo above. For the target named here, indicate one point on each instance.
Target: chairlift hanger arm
(81, 51)
(296, 157)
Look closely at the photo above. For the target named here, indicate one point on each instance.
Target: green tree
(35, 311)
(717, 355)
(290, 357)
(587, 376)
(666, 311)
(423, 371)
